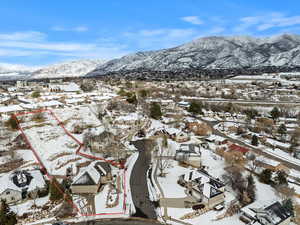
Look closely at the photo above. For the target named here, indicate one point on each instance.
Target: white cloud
(267, 21)
(27, 35)
(73, 29)
(216, 30)
(33, 44)
(192, 19)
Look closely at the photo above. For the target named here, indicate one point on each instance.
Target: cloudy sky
(41, 32)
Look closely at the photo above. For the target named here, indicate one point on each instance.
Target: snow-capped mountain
(12, 71)
(75, 68)
(213, 53)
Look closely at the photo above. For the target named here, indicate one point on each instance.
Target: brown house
(92, 178)
(200, 129)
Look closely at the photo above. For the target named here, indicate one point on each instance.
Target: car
(198, 207)
(60, 223)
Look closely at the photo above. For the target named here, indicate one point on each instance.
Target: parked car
(198, 207)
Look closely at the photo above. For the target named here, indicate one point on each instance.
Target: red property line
(43, 168)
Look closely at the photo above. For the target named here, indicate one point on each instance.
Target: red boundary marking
(43, 168)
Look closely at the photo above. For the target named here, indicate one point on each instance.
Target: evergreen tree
(266, 176)
(288, 204)
(275, 113)
(254, 140)
(56, 190)
(155, 111)
(282, 130)
(7, 217)
(251, 113)
(281, 178)
(195, 108)
(251, 188)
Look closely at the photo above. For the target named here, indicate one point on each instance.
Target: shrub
(36, 94)
(143, 93)
(7, 217)
(266, 176)
(55, 190)
(12, 123)
(131, 98)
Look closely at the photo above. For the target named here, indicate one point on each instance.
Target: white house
(18, 185)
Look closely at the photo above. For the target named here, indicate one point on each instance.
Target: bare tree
(252, 162)
(164, 155)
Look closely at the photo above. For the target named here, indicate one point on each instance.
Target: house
(183, 104)
(23, 184)
(75, 101)
(216, 139)
(189, 154)
(182, 137)
(235, 147)
(260, 214)
(97, 142)
(11, 109)
(199, 128)
(49, 104)
(69, 87)
(177, 135)
(92, 178)
(203, 188)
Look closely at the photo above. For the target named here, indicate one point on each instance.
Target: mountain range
(213, 53)
(217, 55)
(75, 68)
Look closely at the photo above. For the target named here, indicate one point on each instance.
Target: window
(8, 192)
(12, 198)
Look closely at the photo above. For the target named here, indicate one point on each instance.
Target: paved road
(130, 221)
(138, 181)
(258, 102)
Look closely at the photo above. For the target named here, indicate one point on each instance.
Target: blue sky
(40, 32)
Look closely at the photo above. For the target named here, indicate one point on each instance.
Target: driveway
(138, 181)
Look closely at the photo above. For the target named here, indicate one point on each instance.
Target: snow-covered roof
(49, 104)
(129, 117)
(74, 100)
(72, 87)
(209, 191)
(7, 181)
(29, 106)
(10, 108)
(91, 175)
(214, 137)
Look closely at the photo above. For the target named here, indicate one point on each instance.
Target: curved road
(138, 181)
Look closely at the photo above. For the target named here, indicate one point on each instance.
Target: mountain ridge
(215, 52)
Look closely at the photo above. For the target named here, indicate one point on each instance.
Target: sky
(42, 32)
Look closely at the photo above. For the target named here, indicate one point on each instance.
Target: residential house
(183, 104)
(199, 128)
(19, 185)
(238, 148)
(218, 140)
(11, 109)
(92, 178)
(203, 188)
(97, 142)
(189, 154)
(177, 135)
(259, 214)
